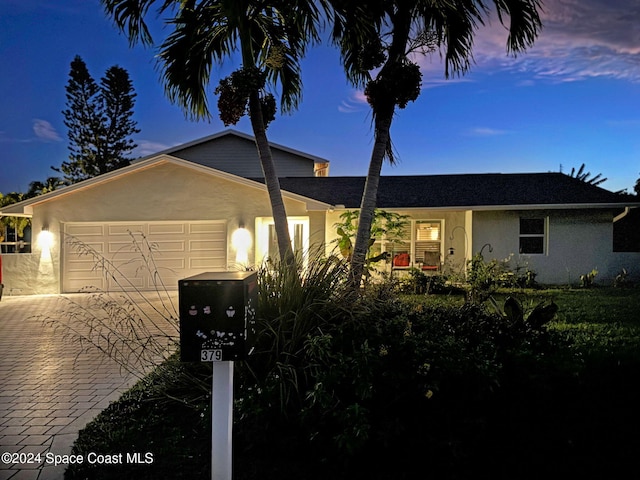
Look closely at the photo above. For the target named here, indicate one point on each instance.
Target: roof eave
(239, 134)
(548, 206)
(554, 206)
(25, 208)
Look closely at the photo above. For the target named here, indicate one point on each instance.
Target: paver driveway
(49, 388)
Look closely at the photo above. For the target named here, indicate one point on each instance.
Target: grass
(579, 409)
(602, 322)
(570, 410)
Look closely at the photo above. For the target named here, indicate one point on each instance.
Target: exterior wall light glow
(241, 242)
(45, 239)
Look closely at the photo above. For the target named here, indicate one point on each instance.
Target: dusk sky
(573, 98)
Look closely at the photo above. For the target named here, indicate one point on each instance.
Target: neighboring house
(203, 206)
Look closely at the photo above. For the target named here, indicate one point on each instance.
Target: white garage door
(139, 255)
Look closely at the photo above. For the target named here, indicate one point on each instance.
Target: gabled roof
(235, 133)
(25, 208)
(477, 191)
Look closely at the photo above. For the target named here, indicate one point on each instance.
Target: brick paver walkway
(49, 388)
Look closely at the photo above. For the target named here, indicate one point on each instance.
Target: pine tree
(82, 120)
(117, 98)
(99, 122)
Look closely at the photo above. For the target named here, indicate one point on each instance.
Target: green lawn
(583, 407)
(602, 321)
(567, 409)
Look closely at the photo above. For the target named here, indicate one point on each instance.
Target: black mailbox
(217, 316)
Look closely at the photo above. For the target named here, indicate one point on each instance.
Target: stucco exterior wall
(577, 241)
(160, 193)
(29, 274)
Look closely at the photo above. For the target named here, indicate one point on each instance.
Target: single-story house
(203, 206)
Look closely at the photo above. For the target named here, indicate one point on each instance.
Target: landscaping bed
(400, 387)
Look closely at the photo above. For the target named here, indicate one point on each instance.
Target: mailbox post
(218, 325)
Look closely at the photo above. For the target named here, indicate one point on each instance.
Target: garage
(140, 255)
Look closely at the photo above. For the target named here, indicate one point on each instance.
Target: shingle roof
(466, 190)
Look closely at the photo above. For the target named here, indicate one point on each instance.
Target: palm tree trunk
(270, 178)
(370, 198)
(383, 116)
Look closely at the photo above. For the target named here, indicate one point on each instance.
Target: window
(12, 242)
(266, 240)
(421, 246)
(532, 235)
(626, 232)
(296, 232)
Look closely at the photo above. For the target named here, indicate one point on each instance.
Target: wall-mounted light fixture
(45, 239)
(241, 241)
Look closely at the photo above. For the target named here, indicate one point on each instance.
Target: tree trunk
(270, 178)
(370, 198)
(383, 116)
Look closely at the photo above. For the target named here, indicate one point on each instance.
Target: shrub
(621, 279)
(339, 386)
(417, 282)
(375, 382)
(164, 414)
(587, 280)
(484, 278)
(295, 304)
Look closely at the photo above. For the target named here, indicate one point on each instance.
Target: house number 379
(210, 355)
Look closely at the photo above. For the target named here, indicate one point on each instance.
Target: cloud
(356, 102)
(487, 132)
(44, 131)
(148, 147)
(580, 39)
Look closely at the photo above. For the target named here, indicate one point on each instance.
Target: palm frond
(354, 25)
(586, 177)
(200, 38)
(128, 16)
(524, 22)
(453, 26)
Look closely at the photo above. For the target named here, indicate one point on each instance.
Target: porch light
(452, 251)
(45, 239)
(241, 242)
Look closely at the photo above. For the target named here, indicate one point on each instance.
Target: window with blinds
(421, 246)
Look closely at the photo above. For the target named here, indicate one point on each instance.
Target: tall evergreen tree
(99, 122)
(117, 98)
(82, 120)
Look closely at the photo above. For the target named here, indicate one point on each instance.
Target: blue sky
(573, 98)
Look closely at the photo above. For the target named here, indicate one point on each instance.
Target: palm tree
(586, 176)
(49, 185)
(382, 36)
(270, 37)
